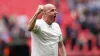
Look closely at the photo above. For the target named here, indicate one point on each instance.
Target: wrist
(38, 12)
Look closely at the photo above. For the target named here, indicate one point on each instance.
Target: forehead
(49, 7)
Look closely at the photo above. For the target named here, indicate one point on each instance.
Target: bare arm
(62, 50)
(32, 22)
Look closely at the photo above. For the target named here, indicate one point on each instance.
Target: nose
(55, 12)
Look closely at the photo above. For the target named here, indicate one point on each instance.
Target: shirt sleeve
(59, 30)
(37, 27)
(60, 38)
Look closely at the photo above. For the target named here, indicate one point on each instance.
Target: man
(46, 34)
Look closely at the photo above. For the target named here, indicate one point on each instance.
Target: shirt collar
(46, 23)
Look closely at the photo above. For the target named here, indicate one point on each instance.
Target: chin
(53, 21)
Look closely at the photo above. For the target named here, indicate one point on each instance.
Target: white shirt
(45, 39)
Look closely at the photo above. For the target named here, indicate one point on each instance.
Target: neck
(46, 20)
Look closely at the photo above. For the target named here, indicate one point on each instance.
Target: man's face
(51, 14)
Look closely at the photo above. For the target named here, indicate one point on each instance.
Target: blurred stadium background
(78, 19)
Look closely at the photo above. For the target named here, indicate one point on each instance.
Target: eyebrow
(53, 9)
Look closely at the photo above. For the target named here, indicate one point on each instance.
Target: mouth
(54, 16)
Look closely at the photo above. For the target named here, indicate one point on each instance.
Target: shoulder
(56, 24)
(57, 27)
(38, 21)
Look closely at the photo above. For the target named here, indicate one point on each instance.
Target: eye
(52, 10)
